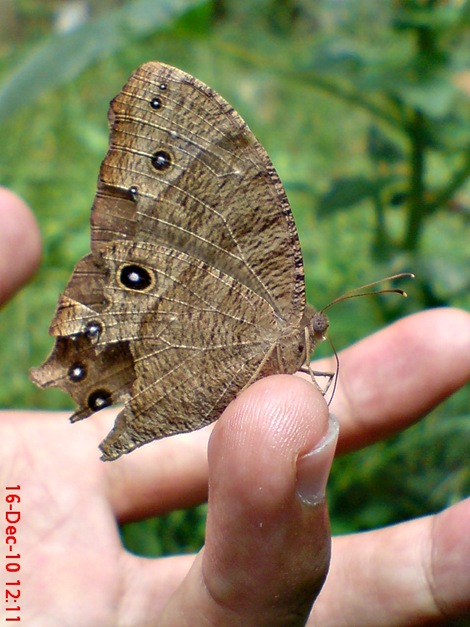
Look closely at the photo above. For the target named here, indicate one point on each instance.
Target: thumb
(268, 539)
(20, 245)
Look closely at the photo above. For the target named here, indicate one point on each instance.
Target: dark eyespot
(99, 399)
(135, 277)
(161, 160)
(163, 86)
(156, 103)
(77, 372)
(133, 190)
(93, 329)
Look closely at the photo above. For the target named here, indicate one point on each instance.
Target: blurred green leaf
(181, 531)
(449, 278)
(434, 96)
(62, 57)
(381, 147)
(346, 192)
(335, 58)
(435, 17)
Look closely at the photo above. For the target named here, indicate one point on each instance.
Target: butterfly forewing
(218, 196)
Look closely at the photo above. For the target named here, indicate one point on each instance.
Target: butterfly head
(319, 326)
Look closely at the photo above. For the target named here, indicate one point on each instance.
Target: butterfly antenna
(359, 291)
(335, 382)
(356, 293)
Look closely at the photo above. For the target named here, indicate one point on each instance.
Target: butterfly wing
(195, 270)
(192, 176)
(187, 340)
(200, 341)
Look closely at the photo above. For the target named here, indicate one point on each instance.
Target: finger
(267, 548)
(394, 377)
(20, 245)
(415, 573)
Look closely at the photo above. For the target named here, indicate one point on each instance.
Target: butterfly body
(194, 287)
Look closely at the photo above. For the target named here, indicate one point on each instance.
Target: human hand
(266, 549)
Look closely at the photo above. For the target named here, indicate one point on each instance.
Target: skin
(266, 549)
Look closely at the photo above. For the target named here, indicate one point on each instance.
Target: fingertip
(448, 332)
(256, 443)
(438, 341)
(282, 411)
(20, 243)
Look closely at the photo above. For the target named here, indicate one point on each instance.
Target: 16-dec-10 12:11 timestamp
(12, 556)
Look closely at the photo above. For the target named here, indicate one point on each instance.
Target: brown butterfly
(194, 287)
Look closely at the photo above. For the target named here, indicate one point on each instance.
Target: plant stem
(416, 197)
(458, 179)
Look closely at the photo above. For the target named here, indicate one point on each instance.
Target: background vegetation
(364, 110)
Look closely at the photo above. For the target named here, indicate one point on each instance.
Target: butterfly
(194, 287)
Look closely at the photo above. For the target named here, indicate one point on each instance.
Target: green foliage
(363, 108)
(177, 532)
(347, 192)
(62, 57)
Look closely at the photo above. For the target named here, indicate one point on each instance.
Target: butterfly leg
(307, 367)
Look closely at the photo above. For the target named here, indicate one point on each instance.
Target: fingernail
(313, 468)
